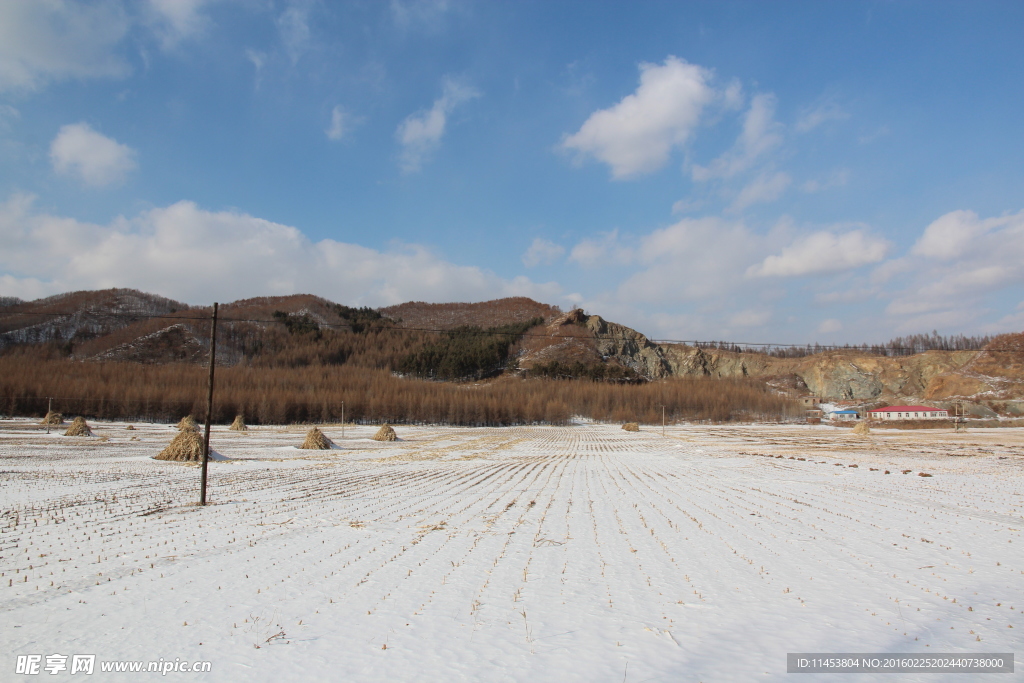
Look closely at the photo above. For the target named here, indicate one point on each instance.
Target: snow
(580, 553)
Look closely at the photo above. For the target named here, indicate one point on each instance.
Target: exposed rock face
(631, 348)
(991, 380)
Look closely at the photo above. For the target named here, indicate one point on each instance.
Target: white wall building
(908, 413)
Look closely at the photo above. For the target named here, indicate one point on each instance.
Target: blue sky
(776, 172)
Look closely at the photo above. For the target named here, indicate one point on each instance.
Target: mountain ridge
(127, 325)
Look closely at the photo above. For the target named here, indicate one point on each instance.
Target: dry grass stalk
(239, 424)
(385, 433)
(862, 428)
(186, 446)
(316, 441)
(52, 418)
(631, 427)
(78, 428)
(188, 423)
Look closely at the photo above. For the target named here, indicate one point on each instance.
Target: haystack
(188, 423)
(385, 433)
(130, 428)
(316, 441)
(78, 428)
(239, 424)
(186, 446)
(631, 427)
(862, 428)
(52, 418)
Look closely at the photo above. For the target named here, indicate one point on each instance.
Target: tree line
(314, 392)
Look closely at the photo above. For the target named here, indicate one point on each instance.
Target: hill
(508, 311)
(514, 337)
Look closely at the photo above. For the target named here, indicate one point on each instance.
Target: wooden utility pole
(343, 419)
(49, 409)
(209, 404)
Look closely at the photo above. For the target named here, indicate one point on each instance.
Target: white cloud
(188, 253)
(293, 25)
(687, 206)
(175, 20)
(953, 234)
(258, 60)
(44, 40)
(838, 178)
(637, 135)
(760, 134)
(7, 115)
(750, 318)
(823, 252)
(830, 325)
(342, 123)
(813, 117)
(693, 260)
(94, 158)
(732, 96)
(425, 13)
(605, 250)
(766, 187)
(959, 260)
(542, 252)
(420, 133)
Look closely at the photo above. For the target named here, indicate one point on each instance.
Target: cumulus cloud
(959, 260)
(192, 254)
(760, 134)
(542, 252)
(693, 260)
(637, 135)
(955, 233)
(420, 133)
(44, 40)
(823, 252)
(766, 187)
(94, 158)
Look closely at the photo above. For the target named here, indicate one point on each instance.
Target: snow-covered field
(581, 553)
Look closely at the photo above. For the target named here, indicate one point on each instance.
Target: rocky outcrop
(629, 347)
(833, 376)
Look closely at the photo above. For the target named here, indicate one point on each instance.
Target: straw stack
(316, 441)
(385, 433)
(78, 428)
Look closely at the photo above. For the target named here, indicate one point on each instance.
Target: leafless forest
(315, 392)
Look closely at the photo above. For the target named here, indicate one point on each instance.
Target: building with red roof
(908, 413)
